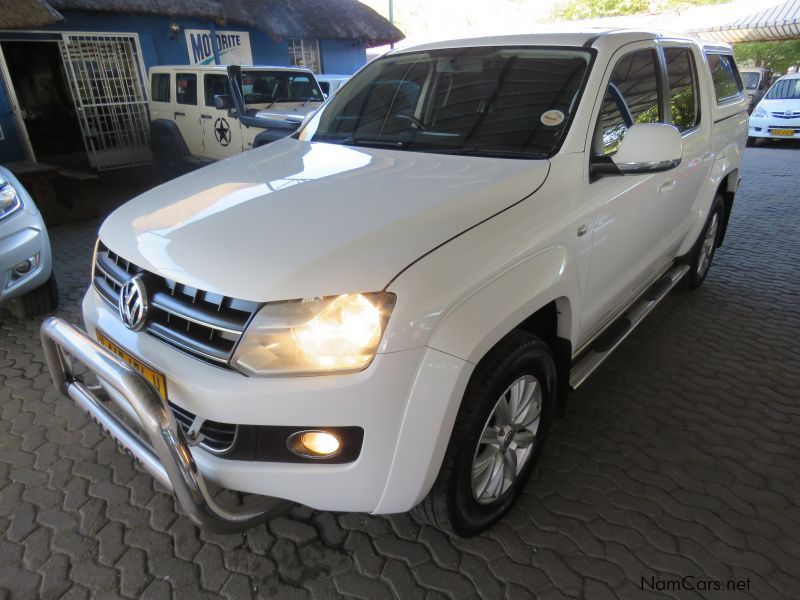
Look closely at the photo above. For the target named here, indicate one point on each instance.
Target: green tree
(776, 55)
(572, 10)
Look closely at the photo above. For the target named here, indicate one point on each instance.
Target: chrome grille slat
(202, 324)
(218, 437)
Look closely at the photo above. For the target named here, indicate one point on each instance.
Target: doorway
(36, 71)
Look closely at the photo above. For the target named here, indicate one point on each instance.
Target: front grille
(202, 324)
(786, 115)
(216, 437)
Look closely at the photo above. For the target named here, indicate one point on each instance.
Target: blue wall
(159, 47)
(342, 57)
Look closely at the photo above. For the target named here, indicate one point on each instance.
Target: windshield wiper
(476, 151)
(373, 143)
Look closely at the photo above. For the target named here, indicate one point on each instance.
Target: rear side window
(159, 87)
(186, 88)
(725, 75)
(632, 97)
(215, 85)
(682, 77)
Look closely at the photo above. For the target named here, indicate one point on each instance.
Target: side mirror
(222, 102)
(646, 148)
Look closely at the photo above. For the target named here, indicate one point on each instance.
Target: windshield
(785, 89)
(262, 89)
(512, 102)
(750, 80)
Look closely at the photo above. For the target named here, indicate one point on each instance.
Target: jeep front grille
(202, 324)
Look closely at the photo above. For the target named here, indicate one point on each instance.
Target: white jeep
(203, 113)
(387, 309)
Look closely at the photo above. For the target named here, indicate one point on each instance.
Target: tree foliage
(776, 55)
(572, 10)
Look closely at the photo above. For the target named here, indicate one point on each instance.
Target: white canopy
(779, 22)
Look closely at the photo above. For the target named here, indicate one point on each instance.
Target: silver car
(27, 284)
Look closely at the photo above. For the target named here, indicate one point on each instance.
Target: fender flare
(512, 296)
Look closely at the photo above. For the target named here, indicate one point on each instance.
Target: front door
(628, 242)
(222, 134)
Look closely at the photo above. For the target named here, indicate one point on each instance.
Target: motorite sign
(234, 47)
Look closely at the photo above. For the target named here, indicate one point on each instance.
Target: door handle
(179, 114)
(708, 156)
(205, 116)
(668, 186)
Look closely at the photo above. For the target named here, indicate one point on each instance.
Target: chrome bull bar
(165, 454)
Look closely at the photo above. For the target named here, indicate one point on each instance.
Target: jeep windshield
(514, 102)
(262, 89)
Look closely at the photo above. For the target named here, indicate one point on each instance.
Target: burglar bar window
(305, 53)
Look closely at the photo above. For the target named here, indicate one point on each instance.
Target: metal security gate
(105, 78)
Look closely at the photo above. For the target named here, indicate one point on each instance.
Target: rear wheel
(497, 437)
(702, 254)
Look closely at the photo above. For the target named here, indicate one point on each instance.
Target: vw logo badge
(133, 303)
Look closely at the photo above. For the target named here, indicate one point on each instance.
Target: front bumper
(763, 127)
(23, 236)
(165, 453)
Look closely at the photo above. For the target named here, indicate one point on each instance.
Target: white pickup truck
(203, 113)
(386, 309)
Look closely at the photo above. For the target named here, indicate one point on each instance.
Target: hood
(296, 219)
(791, 105)
(289, 111)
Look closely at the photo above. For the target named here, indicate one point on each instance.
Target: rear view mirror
(649, 148)
(646, 148)
(222, 102)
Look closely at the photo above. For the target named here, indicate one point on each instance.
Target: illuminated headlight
(9, 199)
(335, 334)
(759, 112)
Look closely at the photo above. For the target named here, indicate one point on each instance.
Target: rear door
(222, 134)
(187, 111)
(690, 112)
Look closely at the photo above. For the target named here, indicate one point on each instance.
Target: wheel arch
(727, 189)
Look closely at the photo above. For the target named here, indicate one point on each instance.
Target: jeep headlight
(335, 334)
(9, 199)
(759, 112)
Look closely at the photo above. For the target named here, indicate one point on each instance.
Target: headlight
(9, 199)
(335, 334)
(759, 112)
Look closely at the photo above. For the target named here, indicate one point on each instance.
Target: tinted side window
(186, 88)
(727, 83)
(215, 85)
(159, 87)
(632, 97)
(682, 88)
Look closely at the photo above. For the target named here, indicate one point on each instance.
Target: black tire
(41, 301)
(751, 141)
(697, 275)
(451, 505)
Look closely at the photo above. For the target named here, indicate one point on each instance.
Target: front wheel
(496, 439)
(41, 301)
(702, 254)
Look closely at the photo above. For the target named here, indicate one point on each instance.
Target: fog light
(314, 444)
(23, 269)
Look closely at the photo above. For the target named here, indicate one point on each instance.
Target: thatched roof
(17, 14)
(330, 19)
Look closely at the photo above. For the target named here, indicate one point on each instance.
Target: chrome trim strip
(100, 268)
(196, 321)
(164, 452)
(186, 349)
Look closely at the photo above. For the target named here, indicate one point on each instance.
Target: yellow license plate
(782, 131)
(157, 379)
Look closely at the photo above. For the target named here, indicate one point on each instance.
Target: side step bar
(614, 335)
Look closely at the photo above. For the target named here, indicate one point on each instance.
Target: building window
(305, 53)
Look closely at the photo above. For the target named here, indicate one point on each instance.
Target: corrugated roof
(779, 22)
